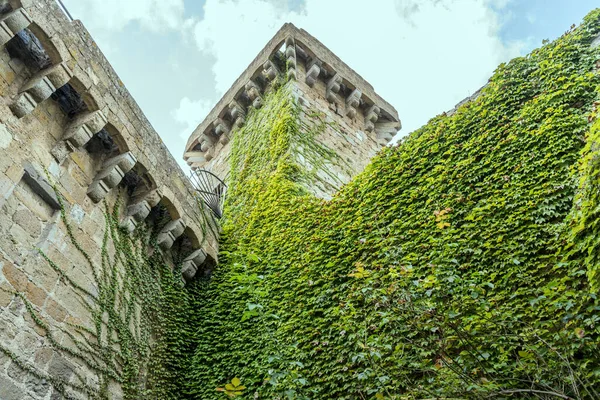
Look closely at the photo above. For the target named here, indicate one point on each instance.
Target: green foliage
(462, 262)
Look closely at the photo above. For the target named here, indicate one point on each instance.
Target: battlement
(322, 82)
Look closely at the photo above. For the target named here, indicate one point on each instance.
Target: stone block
(23, 105)
(60, 368)
(312, 74)
(333, 87)
(5, 137)
(14, 276)
(12, 23)
(270, 70)
(16, 373)
(40, 89)
(165, 240)
(43, 355)
(28, 221)
(352, 103)
(40, 272)
(192, 263)
(111, 176)
(6, 294)
(40, 186)
(37, 387)
(27, 341)
(35, 294)
(55, 310)
(27, 197)
(97, 191)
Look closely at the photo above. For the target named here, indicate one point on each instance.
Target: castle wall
(72, 123)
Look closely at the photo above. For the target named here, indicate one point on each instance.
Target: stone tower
(361, 121)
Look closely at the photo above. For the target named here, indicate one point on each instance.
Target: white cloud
(421, 56)
(112, 15)
(190, 113)
(234, 32)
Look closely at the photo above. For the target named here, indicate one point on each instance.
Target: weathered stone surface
(6, 295)
(60, 368)
(16, 373)
(36, 386)
(23, 105)
(28, 221)
(14, 276)
(10, 391)
(5, 137)
(35, 294)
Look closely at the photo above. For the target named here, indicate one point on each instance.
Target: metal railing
(211, 189)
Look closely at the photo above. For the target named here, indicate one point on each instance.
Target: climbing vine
(461, 263)
(139, 311)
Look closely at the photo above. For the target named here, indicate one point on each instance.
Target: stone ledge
(40, 185)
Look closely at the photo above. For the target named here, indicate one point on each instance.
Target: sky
(178, 57)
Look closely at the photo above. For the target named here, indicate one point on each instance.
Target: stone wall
(66, 120)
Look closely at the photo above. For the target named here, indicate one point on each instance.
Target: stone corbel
(170, 233)
(139, 210)
(222, 130)
(84, 127)
(385, 131)
(13, 23)
(253, 93)
(192, 263)
(111, 175)
(199, 157)
(290, 57)
(270, 70)
(78, 133)
(238, 115)
(333, 88)
(39, 88)
(206, 144)
(352, 103)
(312, 72)
(371, 116)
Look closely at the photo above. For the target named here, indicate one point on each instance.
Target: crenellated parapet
(294, 55)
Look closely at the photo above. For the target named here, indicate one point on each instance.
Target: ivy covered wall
(463, 262)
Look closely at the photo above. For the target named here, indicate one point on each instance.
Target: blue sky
(177, 57)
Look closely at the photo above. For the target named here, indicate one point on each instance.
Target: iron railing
(211, 189)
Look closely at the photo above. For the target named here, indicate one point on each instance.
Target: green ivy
(462, 262)
(141, 333)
